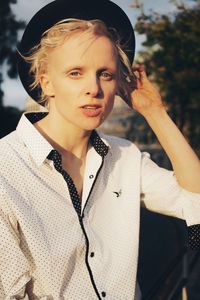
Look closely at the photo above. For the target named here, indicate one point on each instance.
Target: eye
(106, 75)
(75, 74)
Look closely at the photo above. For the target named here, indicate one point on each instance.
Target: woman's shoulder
(9, 145)
(115, 143)
(7, 141)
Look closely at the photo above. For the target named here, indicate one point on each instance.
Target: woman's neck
(66, 139)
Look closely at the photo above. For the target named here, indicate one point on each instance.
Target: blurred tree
(9, 28)
(172, 57)
(9, 117)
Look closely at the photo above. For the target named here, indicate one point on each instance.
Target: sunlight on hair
(57, 35)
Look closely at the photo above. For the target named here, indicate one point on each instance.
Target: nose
(93, 88)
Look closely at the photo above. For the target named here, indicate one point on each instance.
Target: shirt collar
(99, 145)
(39, 147)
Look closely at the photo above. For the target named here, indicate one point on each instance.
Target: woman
(71, 198)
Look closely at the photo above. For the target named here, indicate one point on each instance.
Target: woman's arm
(147, 101)
(14, 267)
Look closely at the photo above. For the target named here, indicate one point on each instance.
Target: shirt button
(103, 294)
(92, 254)
(91, 176)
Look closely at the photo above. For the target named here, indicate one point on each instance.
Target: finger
(138, 68)
(143, 75)
(140, 73)
(143, 78)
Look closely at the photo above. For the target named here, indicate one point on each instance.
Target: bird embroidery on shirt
(118, 193)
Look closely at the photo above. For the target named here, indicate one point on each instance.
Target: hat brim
(110, 13)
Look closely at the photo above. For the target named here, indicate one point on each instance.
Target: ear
(46, 85)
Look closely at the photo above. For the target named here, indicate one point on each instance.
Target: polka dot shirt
(100, 148)
(54, 245)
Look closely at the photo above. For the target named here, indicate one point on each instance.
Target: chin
(91, 125)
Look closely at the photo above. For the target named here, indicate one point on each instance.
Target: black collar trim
(95, 140)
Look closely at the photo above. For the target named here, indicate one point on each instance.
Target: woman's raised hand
(144, 97)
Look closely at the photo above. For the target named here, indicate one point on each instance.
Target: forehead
(85, 47)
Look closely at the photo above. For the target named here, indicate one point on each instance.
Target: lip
(94, 111)
(91, 105)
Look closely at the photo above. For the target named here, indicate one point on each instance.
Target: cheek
(64, 94)
(111, 97)
(118, 86)
(110, 104)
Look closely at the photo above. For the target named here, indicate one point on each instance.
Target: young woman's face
(82, 77)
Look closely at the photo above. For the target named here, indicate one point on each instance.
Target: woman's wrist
(155, 114)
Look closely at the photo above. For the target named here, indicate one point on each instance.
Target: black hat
(110, 13)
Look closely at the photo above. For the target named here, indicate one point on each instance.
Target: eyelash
(108, 77)
(74, 74)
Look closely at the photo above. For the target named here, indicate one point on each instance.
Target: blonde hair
(56, 36)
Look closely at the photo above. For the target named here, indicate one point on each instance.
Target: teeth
(89, 107)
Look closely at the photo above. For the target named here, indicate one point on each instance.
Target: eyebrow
(72, 67)
(79, 67)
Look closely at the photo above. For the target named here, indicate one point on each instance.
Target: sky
(14, 93)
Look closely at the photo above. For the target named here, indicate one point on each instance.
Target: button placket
(56, 157)
(92, 254)
(103, 294)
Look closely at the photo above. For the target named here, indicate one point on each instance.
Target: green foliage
(9, 28)
(9, 117)
(172, 57)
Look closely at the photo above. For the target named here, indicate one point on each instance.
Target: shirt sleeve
(194, 237)
(14, 267)
(161, 193)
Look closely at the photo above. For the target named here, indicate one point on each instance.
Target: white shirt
(49, 252)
